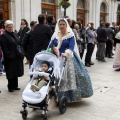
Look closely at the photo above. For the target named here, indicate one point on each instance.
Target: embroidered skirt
(116, 61)
(82, 80)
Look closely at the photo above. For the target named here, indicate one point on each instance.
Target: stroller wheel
(63, 105)
(24, 114)
(44, 116)
(35, 109)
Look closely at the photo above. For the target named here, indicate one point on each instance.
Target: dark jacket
(12, 62)
(52, 27)
(113, 28)
(28, 45)
(101, 35)
(21, 33)
(41, 36)
(110, 33)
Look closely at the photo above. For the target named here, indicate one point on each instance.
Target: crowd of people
(66, 35)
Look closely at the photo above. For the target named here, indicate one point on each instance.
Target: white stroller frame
(41, 99)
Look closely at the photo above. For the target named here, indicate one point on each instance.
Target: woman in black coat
(23, 29)
(13, 63)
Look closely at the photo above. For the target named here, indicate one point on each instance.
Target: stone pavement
(103, 105)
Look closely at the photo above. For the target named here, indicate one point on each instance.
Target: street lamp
(65, 4)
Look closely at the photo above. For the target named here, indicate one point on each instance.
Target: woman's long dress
(78, 83)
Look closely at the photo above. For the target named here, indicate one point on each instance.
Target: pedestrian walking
(76, 83)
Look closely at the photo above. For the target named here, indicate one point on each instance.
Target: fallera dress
(76, 82)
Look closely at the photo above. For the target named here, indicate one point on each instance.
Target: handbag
(20, 51)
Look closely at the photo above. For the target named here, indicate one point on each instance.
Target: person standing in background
(12, 61)
(2, 30)
(91, 35)
(51, 22)
(109, 43)
(116, 61)
(28, 43)
(23, 29)
(42, 34)
(101, 39)
(113, 26)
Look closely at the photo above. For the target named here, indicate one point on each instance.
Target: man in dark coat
(28, 43)
(101, 39)
(51, 22)
(41, 35)
(13, 63)
(110, 38)
(113, 26)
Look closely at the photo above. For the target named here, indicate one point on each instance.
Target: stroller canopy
(46, 56)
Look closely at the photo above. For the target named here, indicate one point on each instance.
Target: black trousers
(108, 48)
(90, 49)
(82, 53)
(12, 83)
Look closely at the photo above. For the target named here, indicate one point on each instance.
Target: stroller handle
(64, 64)
(39, 73)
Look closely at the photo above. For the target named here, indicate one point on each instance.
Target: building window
(1, 16)
(49, 1)
(80, 4)
(46, 11)
(1, 5)
(103, 8)
(48, 7)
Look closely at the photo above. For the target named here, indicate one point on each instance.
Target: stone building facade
(81, 10)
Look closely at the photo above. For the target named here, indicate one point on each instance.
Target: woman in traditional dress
(76, 83)
(116, 61)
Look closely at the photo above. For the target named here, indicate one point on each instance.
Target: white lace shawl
(69, 35)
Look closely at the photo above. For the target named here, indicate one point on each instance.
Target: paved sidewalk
(103, 105)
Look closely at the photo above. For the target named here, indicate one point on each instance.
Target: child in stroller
(41, 81)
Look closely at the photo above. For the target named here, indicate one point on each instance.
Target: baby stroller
(41, 99)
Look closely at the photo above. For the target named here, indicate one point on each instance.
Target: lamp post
(65, 4)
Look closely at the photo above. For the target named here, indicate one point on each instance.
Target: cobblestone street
(103, 105)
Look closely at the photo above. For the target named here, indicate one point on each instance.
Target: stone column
(109, 11)
(26, 10)
(90, 12)
(87, 7)
(12, 10)
(58, 9)
(97, 13)
(94, 11)
(112, 10)
(115, 11)
(17, 14)
(71, 11)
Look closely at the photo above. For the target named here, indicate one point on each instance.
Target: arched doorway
(103, 9)
(4, 12)
(81, 11)
(48, 7)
